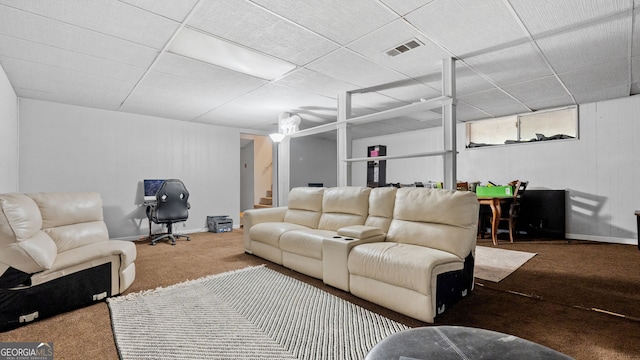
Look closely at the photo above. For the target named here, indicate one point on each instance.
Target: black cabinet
(542, 213)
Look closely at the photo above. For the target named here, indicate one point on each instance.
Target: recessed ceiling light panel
(200, 46)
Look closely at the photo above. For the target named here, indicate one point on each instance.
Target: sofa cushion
(392, 263)
(449, 207)
(360, 231)
(269, 232)
(59, 209)
(304, 206)
(305, 242)
(381, 204)
(440, 219)
(20, 218)
(71, 236)
(344, 206)
(23, 245)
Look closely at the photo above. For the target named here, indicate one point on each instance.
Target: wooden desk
(496, 212)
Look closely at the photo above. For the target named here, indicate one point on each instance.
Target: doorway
(255, 172)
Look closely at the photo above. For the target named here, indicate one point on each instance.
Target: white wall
(72, 148)
(599, 170)
(313, 160)
(8, 136)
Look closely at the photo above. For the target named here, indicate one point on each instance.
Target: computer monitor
(151, 187)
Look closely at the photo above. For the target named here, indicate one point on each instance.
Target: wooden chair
(514, 206)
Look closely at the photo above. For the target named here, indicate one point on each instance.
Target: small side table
(458, 342)
(638, 221)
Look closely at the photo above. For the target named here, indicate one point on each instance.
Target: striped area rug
(253, 313)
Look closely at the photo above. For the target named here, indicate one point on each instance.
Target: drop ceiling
(512, 56)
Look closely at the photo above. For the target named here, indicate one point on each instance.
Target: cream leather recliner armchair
(55, 255)
(426, 261)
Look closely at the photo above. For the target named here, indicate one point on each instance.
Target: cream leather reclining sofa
(55, 256)
(410, 249)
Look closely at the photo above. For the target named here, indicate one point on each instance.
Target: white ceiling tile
(263, 106)
(587, 46)
(315, 82)
(427, 116)
(465, 112)
(601, 80)
(74, 91)
(539, 89)
(404, 7)
(467, 80)
(348, 66)
(411, 91)
(593, 95)
(115, 18)
(511, 65)
(507, 110)
(488, 99)
(93, 98)
(175, 10)
(150, 100)
(341, 28)
(467, 26)
(252, 26)
(194, 90)
(375, 101)
(215, 79)
(550, 16)
(415, 62)
(37, 29)
(15, 48)
(32, 75)
(550, 103)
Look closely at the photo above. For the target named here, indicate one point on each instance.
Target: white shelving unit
(447, 102)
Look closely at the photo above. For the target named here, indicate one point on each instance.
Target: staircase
(265, 202)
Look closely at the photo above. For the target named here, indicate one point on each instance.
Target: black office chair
(172, 206)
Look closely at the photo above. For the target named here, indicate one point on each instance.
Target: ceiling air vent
(402, 48)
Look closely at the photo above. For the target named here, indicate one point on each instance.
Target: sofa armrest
(335, 255)
(256, 216)
(360, 232)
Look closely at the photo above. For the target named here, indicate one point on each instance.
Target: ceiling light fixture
(276, 137)
(200, 46)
